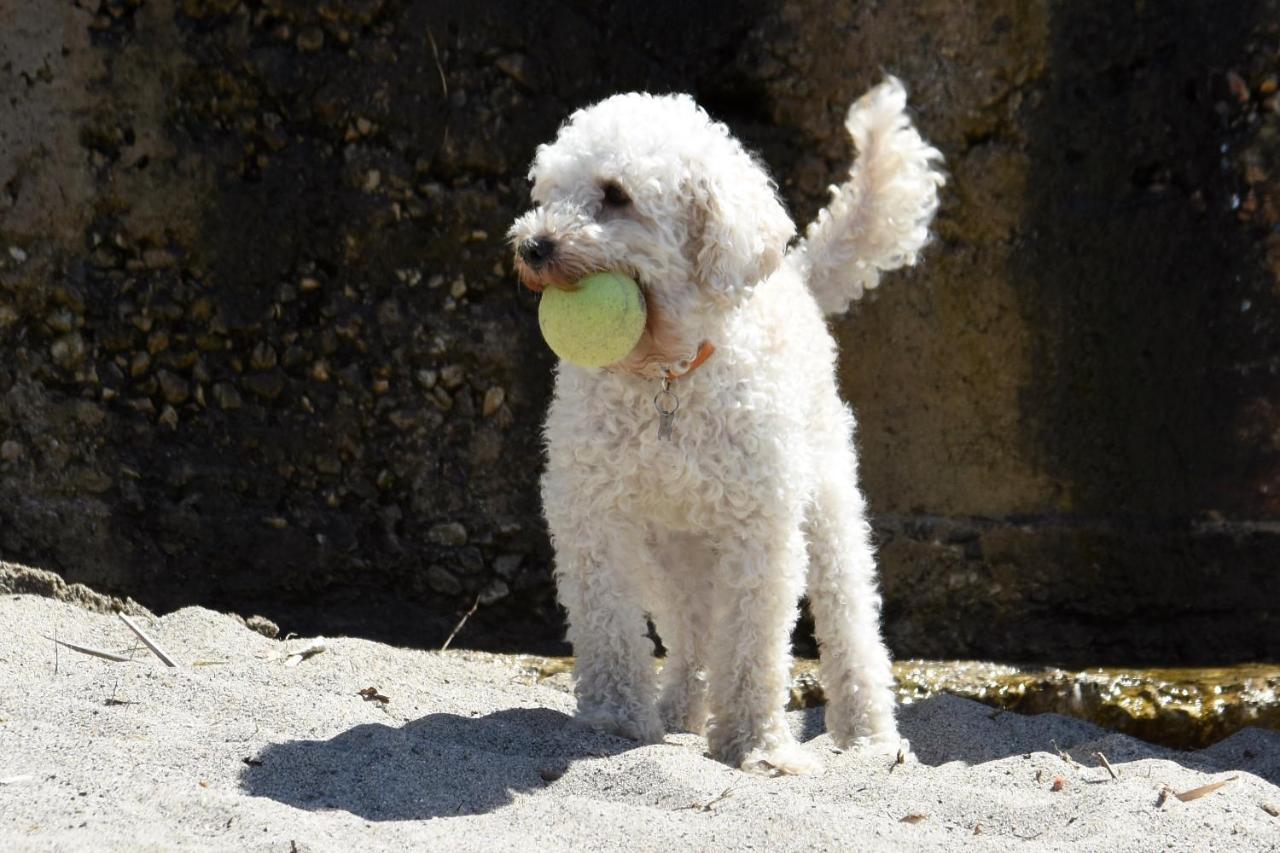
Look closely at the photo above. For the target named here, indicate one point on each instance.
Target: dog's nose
(536, 251)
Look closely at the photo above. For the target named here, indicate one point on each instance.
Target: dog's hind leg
(855, 668)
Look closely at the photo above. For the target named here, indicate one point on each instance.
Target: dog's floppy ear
(739, 228)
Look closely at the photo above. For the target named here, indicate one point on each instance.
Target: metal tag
(667, 403)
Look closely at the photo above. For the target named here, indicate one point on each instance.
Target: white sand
(472, 754)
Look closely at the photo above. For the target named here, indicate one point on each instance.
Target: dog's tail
(879, 219)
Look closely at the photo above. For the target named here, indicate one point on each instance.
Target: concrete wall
(261, 348)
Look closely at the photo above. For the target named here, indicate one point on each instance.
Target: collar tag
(667, 404)
(666, 401)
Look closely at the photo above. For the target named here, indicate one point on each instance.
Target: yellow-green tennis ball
(595, 325)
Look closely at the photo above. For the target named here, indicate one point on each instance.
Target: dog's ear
(739, 228)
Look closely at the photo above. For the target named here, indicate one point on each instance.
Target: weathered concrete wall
(260, 346)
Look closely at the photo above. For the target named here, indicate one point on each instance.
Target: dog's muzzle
(537, 252)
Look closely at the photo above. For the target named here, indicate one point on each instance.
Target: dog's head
(652, 187)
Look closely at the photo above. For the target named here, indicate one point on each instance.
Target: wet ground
(1185, 708)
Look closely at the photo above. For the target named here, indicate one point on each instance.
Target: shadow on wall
(1152, 343)
(1154, 353)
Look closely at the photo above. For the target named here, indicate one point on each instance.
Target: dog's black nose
(536, 251)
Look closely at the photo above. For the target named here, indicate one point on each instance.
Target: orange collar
(705, 350)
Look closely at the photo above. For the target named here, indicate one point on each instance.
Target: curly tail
(879, 219)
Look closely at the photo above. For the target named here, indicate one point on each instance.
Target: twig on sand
(147, 641)
(913, 818)
(1102, 759)
(1203, 790)
(461, 622)
(708, 806)
(14, 780)
(1064, 755)
(111, 701)
(86, 650)
(308, 651)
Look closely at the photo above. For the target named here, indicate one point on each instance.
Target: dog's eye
(615, 196)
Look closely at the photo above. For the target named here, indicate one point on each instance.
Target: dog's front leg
(613, 671)
(680, 605)
(758, 589)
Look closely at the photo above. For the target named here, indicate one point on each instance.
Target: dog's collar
(666, 401)
(706, 349)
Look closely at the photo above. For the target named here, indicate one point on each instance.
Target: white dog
(708, 480)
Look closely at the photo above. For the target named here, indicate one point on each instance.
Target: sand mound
(242, 747)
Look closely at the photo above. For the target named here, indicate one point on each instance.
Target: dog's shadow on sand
(944, 728)
(439, 766)
(445, 765)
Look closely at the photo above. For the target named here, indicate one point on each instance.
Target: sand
(236, 749)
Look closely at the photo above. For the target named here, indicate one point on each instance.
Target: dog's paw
(887, 743)
(645, 728)
(787, 759)
(679, 714)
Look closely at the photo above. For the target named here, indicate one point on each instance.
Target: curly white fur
(879, 219)
(716, 534)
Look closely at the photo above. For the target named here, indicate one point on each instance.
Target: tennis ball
(596, 324)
